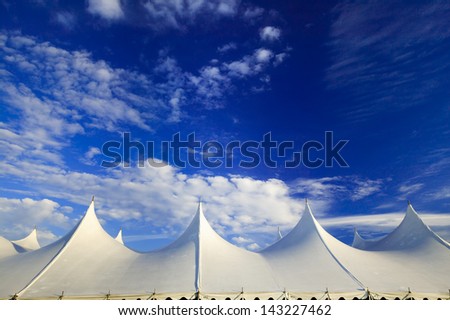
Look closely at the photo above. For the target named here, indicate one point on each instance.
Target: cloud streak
(373, 46)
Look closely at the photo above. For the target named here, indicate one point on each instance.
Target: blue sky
(76, 75)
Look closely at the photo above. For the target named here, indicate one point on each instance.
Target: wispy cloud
(409, 189)
(441, 193)
(324, 191)
(227, 47)
(107, 9)
(89, 156)
(179, 14)
(252, 12)
(375, 47)
(66, 19)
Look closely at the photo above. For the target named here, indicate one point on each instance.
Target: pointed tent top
(356, 234)
(358, 241)
(410, 212)
(305, 226)
(411, 233)
(200, 208)
(89, 220)
(308, 210)
(198, 222)
(119, 237)
(7, 248)
(30, 242)
(93, 198)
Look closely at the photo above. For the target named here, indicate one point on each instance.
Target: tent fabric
(304, 262)
(10, 248)
(308, 262)
(119, 237)
(29, 243)
(7, 248)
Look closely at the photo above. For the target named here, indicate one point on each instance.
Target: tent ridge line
(198, 255)
(433, 234)
(334, 256)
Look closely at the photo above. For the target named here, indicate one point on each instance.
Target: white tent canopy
(29, 243)
(9, 248)
(308, 262)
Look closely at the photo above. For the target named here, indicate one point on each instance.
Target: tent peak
(308, 210)
(358, 241)
(28, 243)
(200, 208)
(119, 237)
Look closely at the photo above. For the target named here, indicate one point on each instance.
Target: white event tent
(87, 263)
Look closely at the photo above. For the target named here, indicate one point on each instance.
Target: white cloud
(250, 65)
(252, 13)
(19, 216)
(241, 68)
(227, 47)
(279, 58)
(175, 103)
(410, 189)
(270, 33)
(234, 205)
(240, 240)
(365, 188)
(107, 9)
(66, 19)
(58, 94)
(211, 85)
(90, 155)
(253, 247)
(263, 55)
(178, 14)
(75, 93)
(75, 87)
(442, 193)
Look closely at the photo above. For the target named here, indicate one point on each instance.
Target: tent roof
(411, 234)
(306, 262)
(29, 243)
